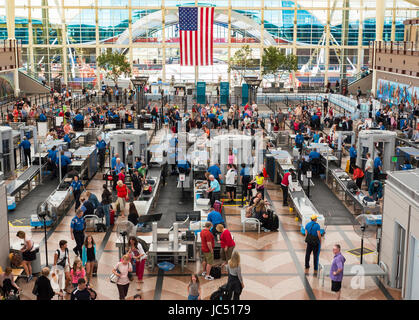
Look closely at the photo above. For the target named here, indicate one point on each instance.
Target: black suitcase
(215, 272)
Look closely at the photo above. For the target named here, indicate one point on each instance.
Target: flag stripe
(207, 45)
(196, 35)
(181, 46)
(190, 49)
(196, 48)
(211, 35)
(201, 35)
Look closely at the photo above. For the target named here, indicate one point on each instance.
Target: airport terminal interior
(209, 150)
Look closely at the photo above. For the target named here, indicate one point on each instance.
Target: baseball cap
(313, 217)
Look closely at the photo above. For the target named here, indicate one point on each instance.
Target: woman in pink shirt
(227, 244)
(230, 157)
(77, 272)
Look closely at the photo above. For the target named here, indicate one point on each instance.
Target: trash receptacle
(36, 264)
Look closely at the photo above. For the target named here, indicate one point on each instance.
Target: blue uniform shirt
(299, 139)
(52, 154)
(113, 163)
(314, 117)
(101, 144)
(316, 138)
(377, 162)
(314, 155)
(352, 152)
(138, 165)
(215, 218)
(76, 185)
(67, 138)
(42, 117)
(312, 228)
(215, 171)
(214, 184)
(183, 164)
(65, 161)
(77, 224)
(78, 117)
(25, 144)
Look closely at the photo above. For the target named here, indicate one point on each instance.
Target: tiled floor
(272, 263)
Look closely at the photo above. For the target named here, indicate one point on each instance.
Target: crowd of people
(309, 121)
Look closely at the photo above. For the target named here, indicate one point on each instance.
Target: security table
(165, 249)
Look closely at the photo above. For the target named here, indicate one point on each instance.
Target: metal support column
(344, 40)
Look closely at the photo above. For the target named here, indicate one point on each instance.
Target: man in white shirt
(369, 170)
(231, 177)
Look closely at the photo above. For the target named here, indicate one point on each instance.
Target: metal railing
(399, 47)
(34, 77)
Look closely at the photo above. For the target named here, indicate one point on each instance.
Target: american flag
(196, 35)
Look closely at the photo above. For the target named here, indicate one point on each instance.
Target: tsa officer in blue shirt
(101, 148)
(76, 187)
(26, 146)
(78, 122)
(52, 156)
(299, 140)
(378, 166)
(77, 227)
(352, 158)
(314, 157)
(65, 161)
(215, 171)
(314, 229)
(67, 139)
(113, 161)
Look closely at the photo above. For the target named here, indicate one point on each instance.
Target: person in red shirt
(227, 244)
(358, 175)
(121, 175)
(207, 247)
(122, 193)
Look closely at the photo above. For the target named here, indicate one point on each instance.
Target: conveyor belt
(22, 180)
(25, 208)
(168, 202)
(329, 205)
(29, 173)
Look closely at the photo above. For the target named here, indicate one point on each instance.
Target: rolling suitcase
(215, 272)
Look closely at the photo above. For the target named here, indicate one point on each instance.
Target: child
(194, 289)
(77, 272)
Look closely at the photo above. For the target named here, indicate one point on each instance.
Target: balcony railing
(396, 47)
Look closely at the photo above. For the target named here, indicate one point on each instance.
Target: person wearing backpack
(313, 240)
(62, 265)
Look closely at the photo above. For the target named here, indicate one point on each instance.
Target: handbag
(113, 277)
(310, 239)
